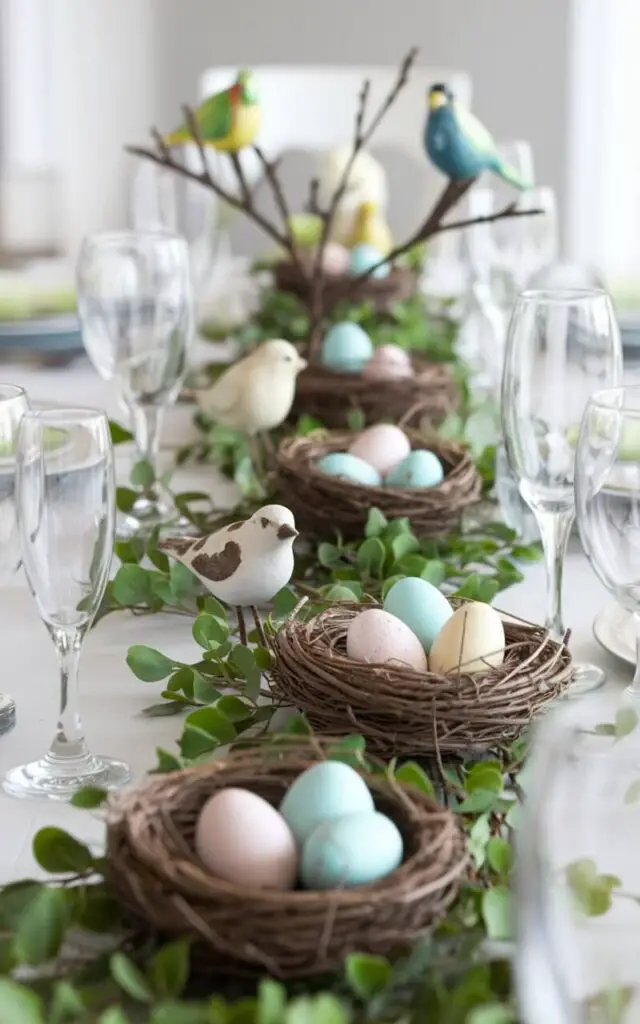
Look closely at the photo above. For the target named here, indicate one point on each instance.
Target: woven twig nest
(323, 504)
(430, 393)
(158, 878)
(400, 284)
(403, 713)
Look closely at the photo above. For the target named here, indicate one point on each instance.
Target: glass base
(49, 779)
(7, 713)
(148, 515)
(586, 678)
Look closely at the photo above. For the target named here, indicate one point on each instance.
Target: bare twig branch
(362, 109)
(313, 205)
(270, 168)
(245, 191)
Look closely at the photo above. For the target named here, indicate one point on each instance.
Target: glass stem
(69, 743)
(634, 689)
(555, 528)
(146, 421)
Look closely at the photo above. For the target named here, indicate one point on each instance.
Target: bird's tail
(510, 175)
(178, 138)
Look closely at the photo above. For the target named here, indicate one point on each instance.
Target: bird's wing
(475, 131)
(213, 117)
(226, 393)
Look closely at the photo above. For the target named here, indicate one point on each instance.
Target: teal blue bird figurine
(459, 145)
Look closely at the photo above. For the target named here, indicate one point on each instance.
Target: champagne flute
(608, 498)
(13, 405)
(136, 312)
(561, 347)
(65, 498)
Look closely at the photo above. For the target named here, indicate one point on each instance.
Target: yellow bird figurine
(228, 120)
(370, 228)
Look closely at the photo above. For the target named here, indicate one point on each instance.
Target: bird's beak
(437, 99)
(285, 531)
(302, 364)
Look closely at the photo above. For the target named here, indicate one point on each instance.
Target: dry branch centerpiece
(155, 872)
(405, 712)
(324, 504)
(229, 122)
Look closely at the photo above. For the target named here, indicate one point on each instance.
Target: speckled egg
(335, 259)
(383, 447)
(420, 606)
(327, 790)
(379, 638)
(346, 348)
(349, 467)
(353, 850)
(243, 839)
(363, 257)
(421, 468)
(472, 639)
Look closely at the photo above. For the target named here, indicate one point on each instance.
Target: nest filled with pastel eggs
(331, 481)
(279, 859)
(420, 676)
(384, 382)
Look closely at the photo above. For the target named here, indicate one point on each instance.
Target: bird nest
(400, 284)
(431, 393)
(402, 712)
(323, 504)
(157, 876)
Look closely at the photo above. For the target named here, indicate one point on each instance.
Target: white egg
(243, 839)
(383, 447)
(377, 637)
(473, 639)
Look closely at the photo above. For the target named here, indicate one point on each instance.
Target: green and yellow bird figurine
(228, 120)
(459, 145)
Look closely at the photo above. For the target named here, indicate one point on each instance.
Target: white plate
(614, 629)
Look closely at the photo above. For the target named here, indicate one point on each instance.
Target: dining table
(112, 698)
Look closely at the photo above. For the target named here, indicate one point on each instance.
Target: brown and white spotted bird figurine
(244, 564)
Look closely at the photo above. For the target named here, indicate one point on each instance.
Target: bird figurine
(459, 145)
(228, 120)
(244, 564)
(370, 228)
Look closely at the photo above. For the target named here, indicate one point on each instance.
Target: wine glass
(577, 871)
(65, 496)
(561, 347)
(607, 484)
(136, 312)
(13, 405)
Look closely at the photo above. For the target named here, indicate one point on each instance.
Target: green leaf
(208, 630)
(338, 592)
(435, 571)
(213, 607)
(89, 797)
(129, 551)
(284, 602)
(119, 434)
(182, 680)
(148, 664)
(370, 556)
(328, 554)
(411, 774)
(527, 553)
(168, 972)
(143, 475)
(67, 1003)
(492, 1013)
(14, 899)
(114, 1015)
(350, 750)
(129, 977)
(477, 587)
(195, 742)
(125, 498)
(499, 855)
(296, 725)
(19, 1005)
(42, 926)
(263, 658)
(58, 853)
(272, 1001)
(397, 527)
(376, 523)
(626, 721)
(478, 802)
(131, 585)
(356, 419)
(479, 836)
(367, 975)
(159, 559)
(167, 762)
(632, 794)
(404, 544)
(172, 1011)
(213, 721)
(590, 890)
(496, 913)
(99, 912)
(243, 659)
(486, 775)
(204, 690)
(164, 710)
(605, 729)
(182, 581)
(235, 709)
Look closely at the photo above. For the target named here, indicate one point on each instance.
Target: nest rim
(399, 284)
(324, 503)
(406, 713)
(152, 865)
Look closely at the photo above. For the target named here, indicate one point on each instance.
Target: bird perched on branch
(244, 564)
(371, 228)
(228, 120)
(459, 145)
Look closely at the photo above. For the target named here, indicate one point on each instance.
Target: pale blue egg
(363, 257)
(420, 606)
(352, 850)
(327, 790)
(346, 348)
(349, 467)
(420, 469)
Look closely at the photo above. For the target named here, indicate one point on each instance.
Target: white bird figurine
(244, 564)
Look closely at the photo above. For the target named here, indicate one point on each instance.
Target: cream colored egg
(241, 838)
(473, 639)
(377, 637)
(383, 447)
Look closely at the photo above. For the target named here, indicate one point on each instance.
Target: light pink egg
(392, 354)
(377, 637)
(335, 259)
(241, 838)
(376, 369)
(384, 447)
